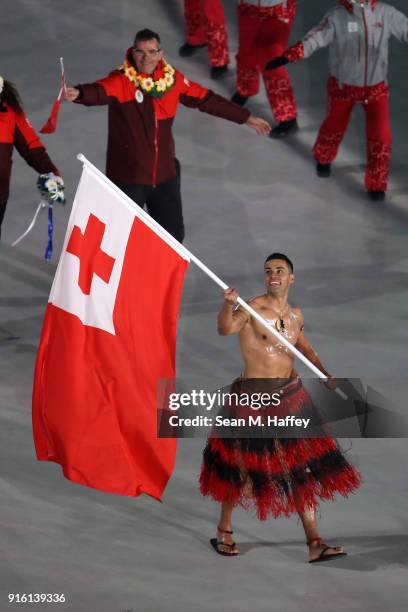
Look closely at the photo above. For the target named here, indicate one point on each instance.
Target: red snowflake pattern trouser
(263, 35)
(375, 102)
(205, 23)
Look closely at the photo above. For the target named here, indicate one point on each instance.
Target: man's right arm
(317, 38)
(230, 319)
(100, 93)
(194, 95)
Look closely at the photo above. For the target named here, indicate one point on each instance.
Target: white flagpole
(188, 255)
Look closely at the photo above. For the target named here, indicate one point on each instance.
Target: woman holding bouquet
(16, 131)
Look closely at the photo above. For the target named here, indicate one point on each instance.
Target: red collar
(350, 6)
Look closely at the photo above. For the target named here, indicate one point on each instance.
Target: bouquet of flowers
(51, 188)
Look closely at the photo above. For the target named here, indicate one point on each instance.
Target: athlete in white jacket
(357, 34)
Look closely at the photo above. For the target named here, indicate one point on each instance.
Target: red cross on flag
(108, 336)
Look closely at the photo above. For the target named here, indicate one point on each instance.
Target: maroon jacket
(140, 140)
(16, 130)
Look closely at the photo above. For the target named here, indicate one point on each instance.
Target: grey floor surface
(244, 196)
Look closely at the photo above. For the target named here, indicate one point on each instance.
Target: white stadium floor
(244, 196)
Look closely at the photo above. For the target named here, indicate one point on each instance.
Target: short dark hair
(144, 35)
(280, 256)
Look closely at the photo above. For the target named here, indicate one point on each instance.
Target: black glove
(277, 63)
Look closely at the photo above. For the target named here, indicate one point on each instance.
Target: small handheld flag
(51, 124)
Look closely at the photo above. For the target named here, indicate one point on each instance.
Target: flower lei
(155, 88)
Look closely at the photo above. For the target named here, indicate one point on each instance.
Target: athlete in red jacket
(264, 28)
(205, 25)
(143, 96)
(16, 130)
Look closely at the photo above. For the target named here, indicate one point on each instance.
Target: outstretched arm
(230, 319)
(315, 39)
(195, 96)
(398, 24)
(99, 93)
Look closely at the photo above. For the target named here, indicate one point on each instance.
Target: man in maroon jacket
(143, 96)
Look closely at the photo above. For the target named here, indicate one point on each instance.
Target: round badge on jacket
(139, 96)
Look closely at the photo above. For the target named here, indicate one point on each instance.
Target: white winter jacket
(357, 36)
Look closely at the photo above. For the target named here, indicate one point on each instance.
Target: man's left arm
(303, 345)
(398, 23)
(195, 96)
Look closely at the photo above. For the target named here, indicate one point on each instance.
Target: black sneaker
(284, 128)
(218, 72)
(323, 170)
(239, 99)
(188, 50)
(376, 196)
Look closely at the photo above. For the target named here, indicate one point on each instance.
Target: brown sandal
(323, 556)
(215, 543)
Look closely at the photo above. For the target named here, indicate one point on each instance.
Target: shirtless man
(303, 479)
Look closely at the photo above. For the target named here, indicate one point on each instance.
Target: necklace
(280, 323)
(151, 87)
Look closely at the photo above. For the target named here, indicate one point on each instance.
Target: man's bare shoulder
(257, 302)
(296, 311)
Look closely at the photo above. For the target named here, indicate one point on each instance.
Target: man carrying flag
(279, 476)
(108, 336)
(143, 96)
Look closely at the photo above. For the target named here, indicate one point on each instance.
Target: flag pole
(64, 86)
(188, 255)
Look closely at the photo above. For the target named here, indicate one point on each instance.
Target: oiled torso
(264, 355)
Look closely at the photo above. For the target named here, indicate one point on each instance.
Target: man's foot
(224, 543)
(219, 72)
(320, 551)
(284, 128)
(323, 170)
(376, 196)
(188, 50)
(239, 99)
